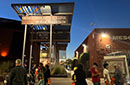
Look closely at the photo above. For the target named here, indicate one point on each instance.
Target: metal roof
(45, 9)
(48, 9)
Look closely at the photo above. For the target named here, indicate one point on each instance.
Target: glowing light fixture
(84, 48)
(77, 53)
(84, 45)
(44, 28)
(104, 35)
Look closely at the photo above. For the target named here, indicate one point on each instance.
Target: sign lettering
(38, 20)
(121, 37)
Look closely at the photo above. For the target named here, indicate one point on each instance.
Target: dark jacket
(119, 80)
(47, 75)
(18, 76)
(80, 75)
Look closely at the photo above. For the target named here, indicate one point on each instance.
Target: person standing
(41, 70)
(106, 74)
(119, 80)
(80, 75)
(18, 75)
(47, 74)
(95, 74)
(41, 77)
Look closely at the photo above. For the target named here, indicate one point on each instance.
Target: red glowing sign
(4, 53)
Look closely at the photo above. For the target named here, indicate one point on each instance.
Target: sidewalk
(67, 81)
(1, 83)
(61, 81)
(89, 80)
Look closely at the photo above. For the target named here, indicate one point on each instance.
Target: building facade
(101, 42)
(11, 41)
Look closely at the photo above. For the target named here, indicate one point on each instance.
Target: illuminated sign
(121, 37)
(39, 20)
(4, 53)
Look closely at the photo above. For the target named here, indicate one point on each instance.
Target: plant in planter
(5, 66)
(58, 71)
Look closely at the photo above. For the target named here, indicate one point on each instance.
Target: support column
(24, 42)
(57, 54)
(36, 52)
(30, 58)
(50, 41)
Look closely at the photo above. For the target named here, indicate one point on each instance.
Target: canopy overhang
(61, 32)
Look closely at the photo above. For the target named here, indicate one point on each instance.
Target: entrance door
(117, 60)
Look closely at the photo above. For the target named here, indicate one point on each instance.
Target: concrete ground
(67, 81)
(89, 81)
(1, 83)
(60, 81)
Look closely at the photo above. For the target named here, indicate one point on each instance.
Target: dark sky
(102, 13)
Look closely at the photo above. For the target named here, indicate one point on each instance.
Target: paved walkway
(60, 81)
(67, 81)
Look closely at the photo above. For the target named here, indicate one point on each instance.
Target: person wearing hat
(18, 75)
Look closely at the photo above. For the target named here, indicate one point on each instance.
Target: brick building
(101, 42)
(11, 39)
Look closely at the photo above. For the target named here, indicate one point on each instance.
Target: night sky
(88, 14)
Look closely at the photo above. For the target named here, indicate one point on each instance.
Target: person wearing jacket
(118, 75)
(18, 75)
(80, 75)
(95, 74)
(47, 74)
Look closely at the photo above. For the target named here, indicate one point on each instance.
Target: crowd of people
(116, 79)
(79, 76)
(39, 75)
